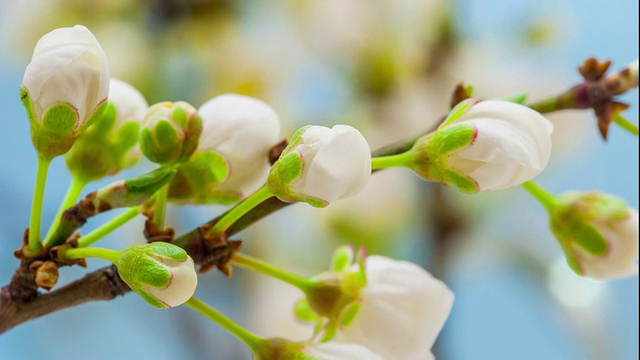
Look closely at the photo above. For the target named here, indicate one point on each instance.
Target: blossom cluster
(228, 151)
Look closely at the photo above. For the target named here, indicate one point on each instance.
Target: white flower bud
(170, 132)
(322, 165)
(598, 233)
(130, 105)
(402, 299)
(161, 273)
(238, 132)
(65, 88)
(487, 146)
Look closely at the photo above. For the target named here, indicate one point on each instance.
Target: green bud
(161, 273)
(196, 180)
(170, 132)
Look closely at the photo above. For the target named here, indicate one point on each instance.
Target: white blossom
(68, 67)
(129, 103)
(510, 144)
(403, 309)
(332, 163)
(161, 273)
(242, 130)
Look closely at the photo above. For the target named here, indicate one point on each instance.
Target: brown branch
(102, 284)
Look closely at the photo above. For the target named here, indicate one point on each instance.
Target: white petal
(129, 102)
(340, 351)
(242, 130)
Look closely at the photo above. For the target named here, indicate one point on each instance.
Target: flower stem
(399, 160)
(107, 228)
(160, 206)
(249, 262)
(34, 243)
(252, 340)
(547, 200)
(240, 209)
(100, 253)
(70, 198)
(626, 124)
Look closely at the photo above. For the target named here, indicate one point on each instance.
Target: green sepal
(95, 116)
(197, 178)
(179, 117)
(106, 122)
(55, 135)
(150, 299)
(342, 259)
(163, 250)
(282, 173)
(127, 136)
(349, 314)
(161, 144)
(462, 108)
(137, 266)
(304, 312)
(590, 239)
(460, 182)
(517, 99)
(450, 139)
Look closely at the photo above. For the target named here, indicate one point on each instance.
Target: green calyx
(103, 150)
(280, 349)
(333, 300)
(56, 132)
(431, 152)
(195, 181)
(571, 222)
(172, 140)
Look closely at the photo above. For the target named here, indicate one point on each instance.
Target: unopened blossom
(402, 299)
(109, 145)
(482, 146)
(321, 165)
(161, 273)
(232, 159)
(65, 88)
(170, 132)
(599, 234)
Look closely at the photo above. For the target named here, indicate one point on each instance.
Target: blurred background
(388, 68)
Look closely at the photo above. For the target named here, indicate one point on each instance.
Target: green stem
(626, 124)
(160, 205)
(34, 243)
(70, 198)
(107, 228)
(249, 262)
(252, 340)
(399, 160)
(100, 253)
(547, 200)
(240, 209)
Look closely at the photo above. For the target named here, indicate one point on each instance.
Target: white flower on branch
(598, 233)
(161, 273)
(65, 88)
(322, 165)
(403, 308)
(488, 145)
(232, 159)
